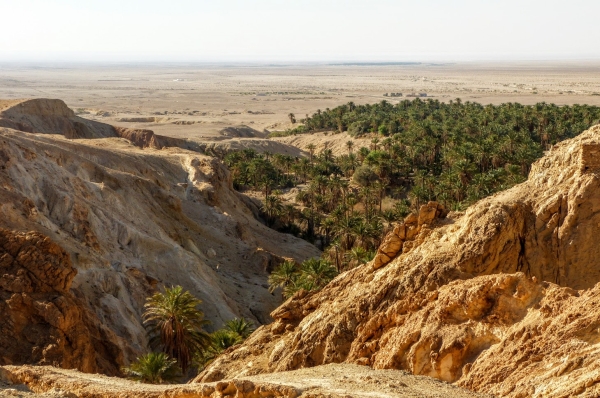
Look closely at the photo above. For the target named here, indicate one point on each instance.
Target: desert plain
(198, 101)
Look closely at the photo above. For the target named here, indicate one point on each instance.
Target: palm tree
(282, 276)
(154, 368)
(345, 232)
(296, 285)
(362, 232)
(174, 319)
(241, 326)
(333, 252)
(358, 256)
(363, 152)
(349, 145)
(272, 208)
(220, 340)
(327, 226)
(317, 272)
(223, 339)
(311, 150)
(375, 143)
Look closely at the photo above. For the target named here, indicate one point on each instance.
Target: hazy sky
(298, 30)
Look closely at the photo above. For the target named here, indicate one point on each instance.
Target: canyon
(499, 300)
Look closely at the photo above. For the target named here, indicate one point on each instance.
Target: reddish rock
(41, 321)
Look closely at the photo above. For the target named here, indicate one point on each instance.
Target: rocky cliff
(42, 322)
(131, 218)
(501, 298)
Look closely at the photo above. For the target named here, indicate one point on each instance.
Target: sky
(298, 30)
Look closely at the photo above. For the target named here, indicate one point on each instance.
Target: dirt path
(334, 380)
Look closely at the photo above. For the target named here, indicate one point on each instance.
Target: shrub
(154, 368)
(364, 176)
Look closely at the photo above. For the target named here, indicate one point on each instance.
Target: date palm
(272, 208)
(220, 340)
(282, 276)
(176, 322)
(311, 150)
(317, 272)
(240, 326)
(349, 146)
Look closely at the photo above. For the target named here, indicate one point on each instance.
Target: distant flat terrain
(199, 101)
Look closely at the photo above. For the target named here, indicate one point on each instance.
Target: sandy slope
(335, 142)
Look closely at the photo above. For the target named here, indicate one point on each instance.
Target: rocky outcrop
(408, 234)
(242, 132)
(499, 299)
(50, 116)
(133, 218)
(42, 322)
(53, 116)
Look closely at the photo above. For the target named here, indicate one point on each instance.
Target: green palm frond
(154, 368)
(173, 315)
(241, 326)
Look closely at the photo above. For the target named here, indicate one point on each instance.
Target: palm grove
(454, 153)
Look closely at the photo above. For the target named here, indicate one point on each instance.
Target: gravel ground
(334, 381)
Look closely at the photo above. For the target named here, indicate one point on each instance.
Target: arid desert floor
(198, 101)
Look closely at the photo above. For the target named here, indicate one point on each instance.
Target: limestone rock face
(409, 233)
(42, 322)
(131, 218)
(500, 299)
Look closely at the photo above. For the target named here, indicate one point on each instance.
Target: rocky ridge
(501, 299)
(131, 217)
(53, 116)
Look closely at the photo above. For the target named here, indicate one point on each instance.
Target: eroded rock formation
(408, 234)
(132, 217)
(501, 299)
(41, 321)
(53, 116)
